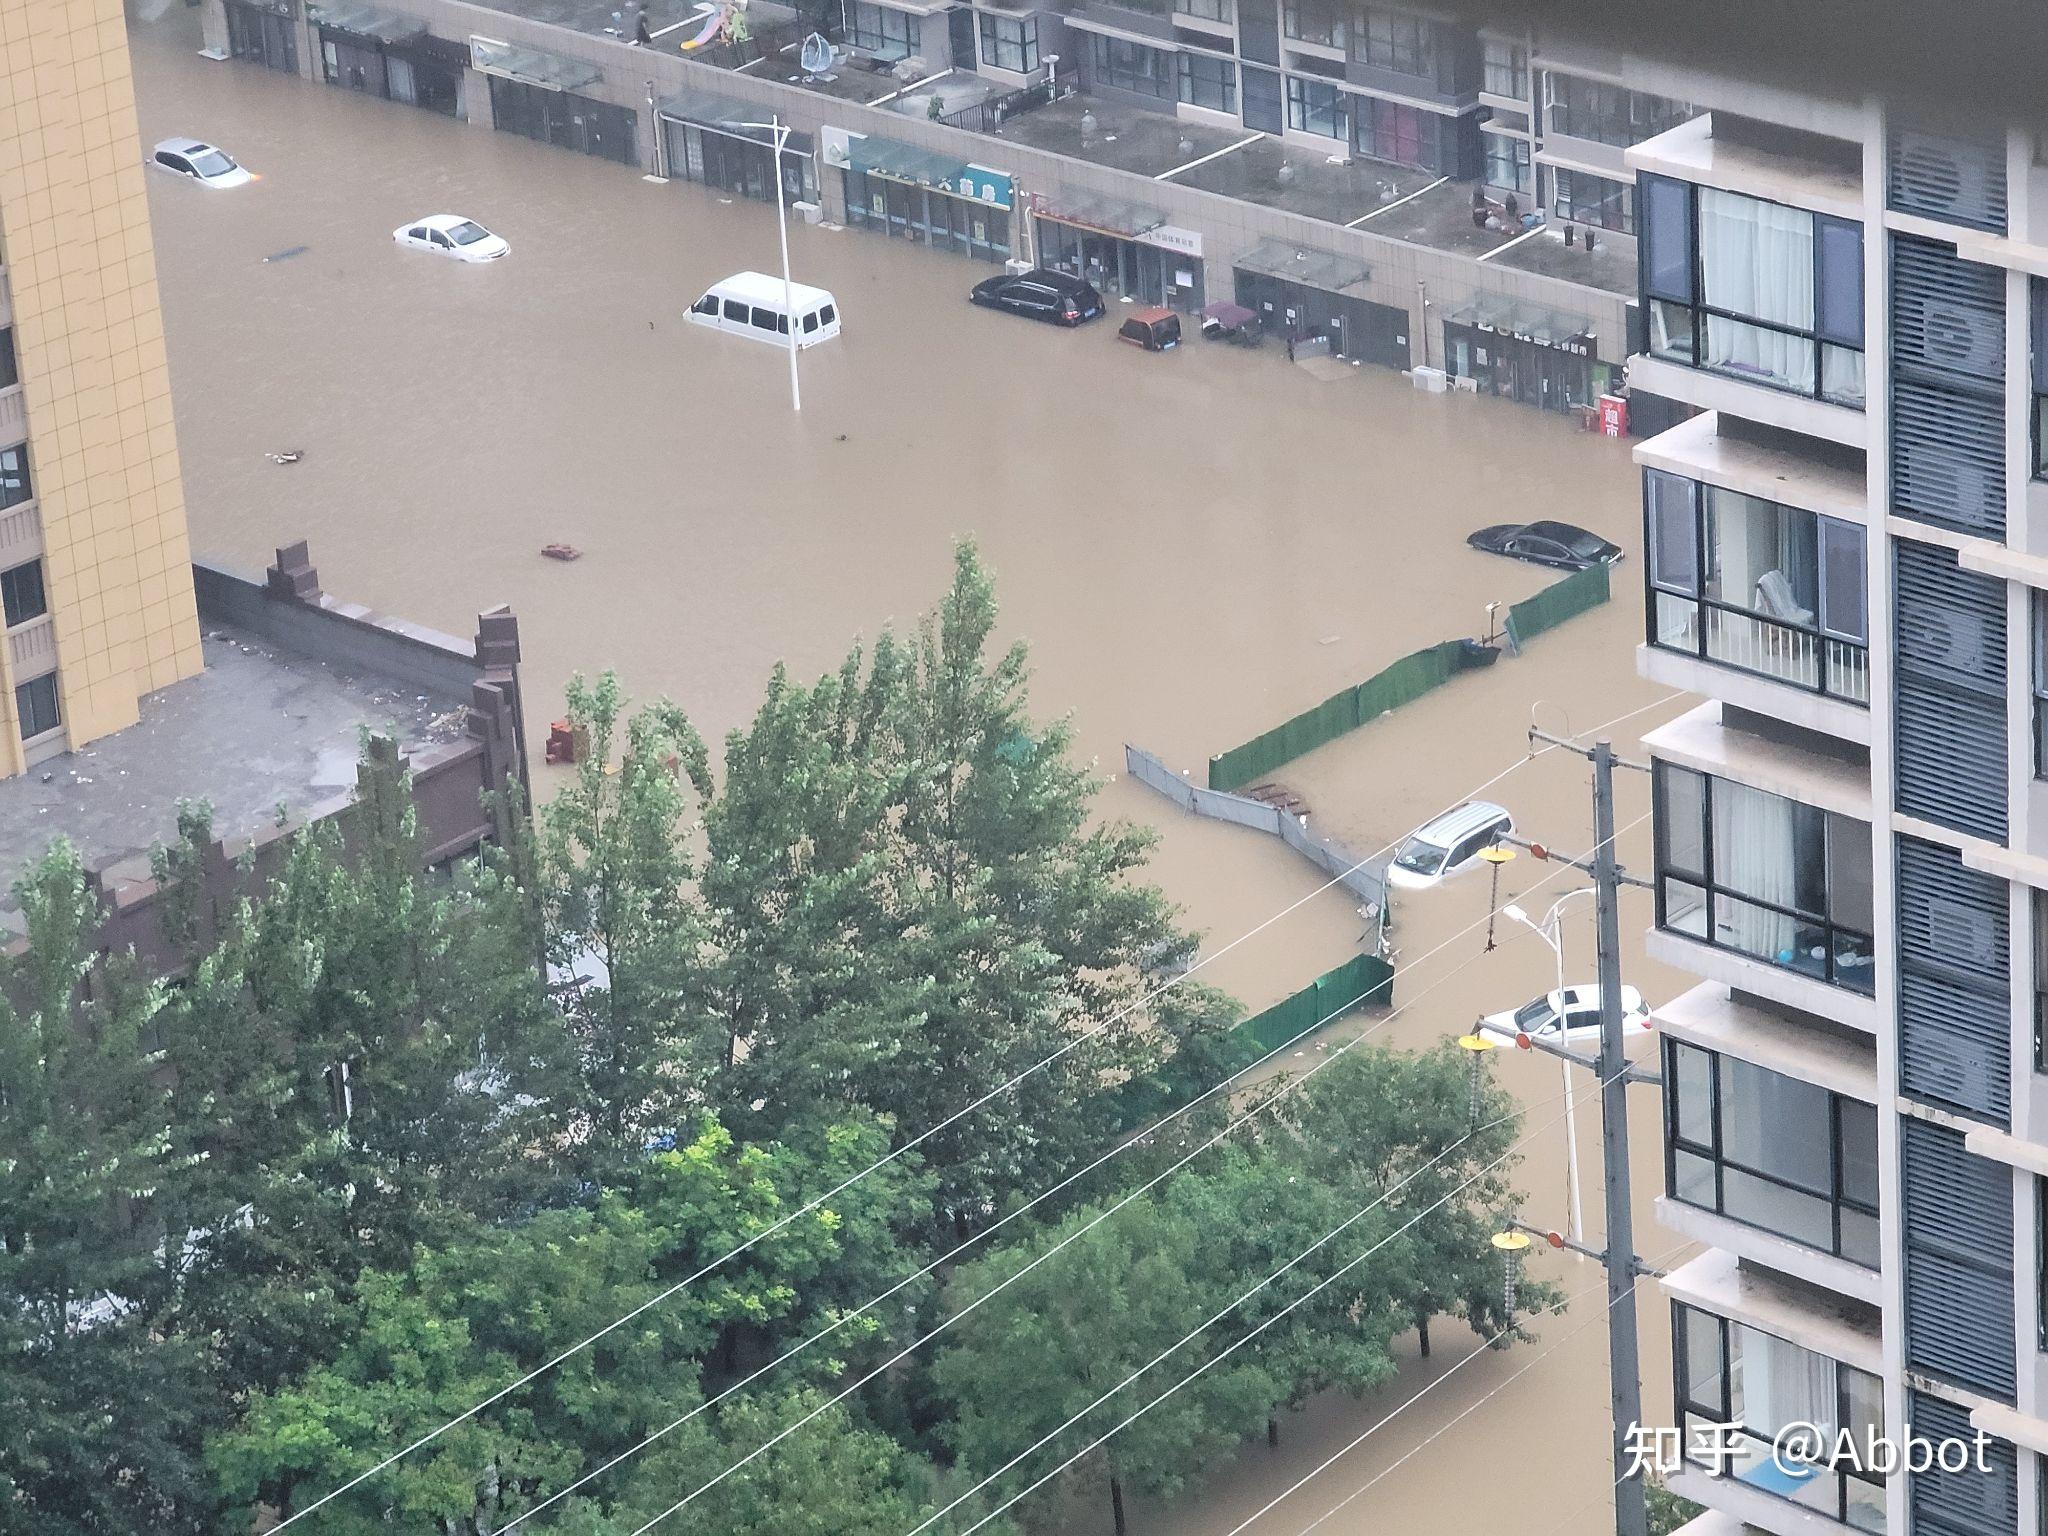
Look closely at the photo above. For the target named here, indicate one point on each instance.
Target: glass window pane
(1849, 871)
(1681, 817)
(1693, 1093)
(1840, 304)
(1777, 358)
(1844, 602)
(1859, 1238)
(1667, 233)
(1841, 376)
(1692, 1180)
(1804, 1218)
(1778, 1383)
(1859, 1151)
(1674, 531)
(1775, 1125)
(1756, 259)
(1700, 1354)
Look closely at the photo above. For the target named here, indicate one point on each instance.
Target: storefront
(915, 194)
(1315, 296)
(1128, 251)
(721, 143)
(264, 32)
(365, 49)
(1533, 356)
(539, 96)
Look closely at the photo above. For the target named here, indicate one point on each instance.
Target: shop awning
(530, 66)
(367, 21)
(1105, 215)
(1526, 322)
(1305, 265)
(928, 168)
(739, 119)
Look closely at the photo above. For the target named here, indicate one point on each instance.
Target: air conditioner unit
(1934, 478)
(1963, 338)
(1962, 934)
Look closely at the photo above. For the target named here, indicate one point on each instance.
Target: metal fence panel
(1549, 608)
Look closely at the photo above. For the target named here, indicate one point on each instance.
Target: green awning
(1305, 265)
(367, 21)
(1106, 215)
(904, 162)
(530, 66)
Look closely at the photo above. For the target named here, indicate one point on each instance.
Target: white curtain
(1755, 854)
(1756, 260)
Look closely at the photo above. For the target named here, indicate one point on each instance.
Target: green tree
(623, 926)
(102, 1418)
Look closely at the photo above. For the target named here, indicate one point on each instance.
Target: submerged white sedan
(1569, 1017)
(199, 161)
(450, 234)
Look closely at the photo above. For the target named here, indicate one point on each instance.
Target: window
(708, 305)
(1394, 40)
(1009, 42)
(1595, 200)
(21, 593)
(1753, 584)
(1771, 1152)
(1507, 69)
(35, 706)
(1608, 114)
(2039, 608)
(2037, 292)
(1507, 163)
(826, 314)
(1317, 22)
(1224, 11)
(764, 318)
(1128, 66)
(10, 373)
(736, 311)
(1728, 1373)
(885, 33)
(1208, 81)
(14, 482)
(1782, 882)
(1756, 290)
(1401, 135)
(1314, 107)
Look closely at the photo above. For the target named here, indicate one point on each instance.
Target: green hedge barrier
(1562, 600)
(1400, 683)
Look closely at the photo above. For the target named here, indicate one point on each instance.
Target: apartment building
(95, 572)
(1847, 551)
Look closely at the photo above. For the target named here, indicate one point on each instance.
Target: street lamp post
(776, 126)
(1550, 931)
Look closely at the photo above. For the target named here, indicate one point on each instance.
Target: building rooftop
(1126, 138)
(1607, 266)
(257, 729)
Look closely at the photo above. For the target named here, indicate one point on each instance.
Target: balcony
(32, 648)
(13, 415)
(1763, 1355)
(1764, 858)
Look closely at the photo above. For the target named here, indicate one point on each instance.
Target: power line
(1288, 1087)
(1135, 1139)
(923, 1136)
(1223, 1354)
(1422, 1444)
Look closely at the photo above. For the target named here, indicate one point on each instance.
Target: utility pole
(1624, 1267)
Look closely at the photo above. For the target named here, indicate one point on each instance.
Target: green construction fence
(1362, 981)
(1400, 683)
(1557, 602)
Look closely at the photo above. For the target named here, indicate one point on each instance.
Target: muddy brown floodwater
(1196, 545)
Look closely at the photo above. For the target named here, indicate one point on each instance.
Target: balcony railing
(1792, 941)
(13, 415)
(32, 648)
(990, 114)
(1751, 643)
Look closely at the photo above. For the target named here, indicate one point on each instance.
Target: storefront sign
(1173, 238)
(835, 146)
(982, 185)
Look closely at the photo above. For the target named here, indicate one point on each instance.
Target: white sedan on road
(201, 162)
(450, 234)
(1570, 1017)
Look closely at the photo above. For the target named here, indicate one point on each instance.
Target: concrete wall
(1422, 280)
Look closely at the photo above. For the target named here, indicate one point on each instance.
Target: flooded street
(1196, 545)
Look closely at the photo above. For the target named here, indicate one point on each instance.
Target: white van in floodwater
(754, 304)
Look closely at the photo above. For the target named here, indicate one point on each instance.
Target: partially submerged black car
(1559, 544)
(1040, 294)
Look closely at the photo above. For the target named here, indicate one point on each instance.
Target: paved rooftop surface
(1439, 216)
(1608, 265)
(256, 729)
(1128, 138)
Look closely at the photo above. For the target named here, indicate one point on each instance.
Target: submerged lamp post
(1548, 931)
(780, 130)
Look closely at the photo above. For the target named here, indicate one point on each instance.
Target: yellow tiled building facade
(95, 567)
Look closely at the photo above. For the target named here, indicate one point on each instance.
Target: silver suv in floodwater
(1448, 844)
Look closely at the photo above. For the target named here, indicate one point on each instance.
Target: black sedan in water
(1558, 544)
(1040, 294)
